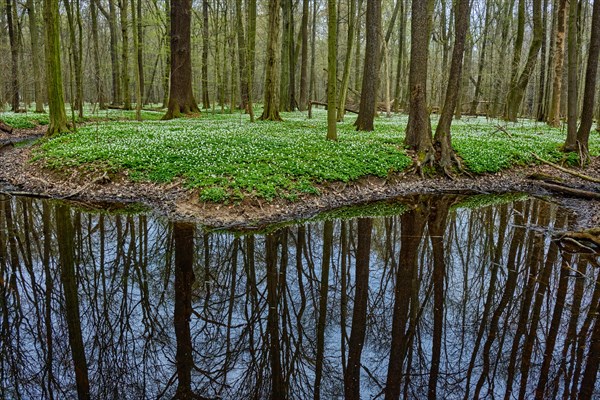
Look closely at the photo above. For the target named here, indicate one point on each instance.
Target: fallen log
(320, 103)
(569, 191)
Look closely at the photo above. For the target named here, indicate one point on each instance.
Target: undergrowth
(228, 158)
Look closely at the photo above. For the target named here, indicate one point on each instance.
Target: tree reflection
(442, 301)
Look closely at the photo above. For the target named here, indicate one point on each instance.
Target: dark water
(441, 301)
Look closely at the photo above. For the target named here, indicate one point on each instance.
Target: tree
(557, 60)
(368, 95)
(572, 90)
(518, 85)
(442, 139)
(243, 67)
(348, 61)
(54, 87)
(14, 55)
(35, 56)
(181, 97)
(251, 56)
(587, 112)
(125, 53)
(271, 99)
(304, 63)
(332, 70)
(418, 130)
(205, 44)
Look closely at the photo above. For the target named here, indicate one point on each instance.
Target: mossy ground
(227, 158)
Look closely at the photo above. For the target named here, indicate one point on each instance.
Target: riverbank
(76, 167)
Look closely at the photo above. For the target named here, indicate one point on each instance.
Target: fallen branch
(502, 129)
(586, 194)
(319, 103)
(587, 241)
(567, 170)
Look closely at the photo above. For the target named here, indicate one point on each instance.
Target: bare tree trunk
(96, 51)
(313, 41)
(181, 96)
(368, 95)
(138, 76)
(475, 102)
(541, 107)
(558, 58)
(400, 62)
(572, 90)
(303, 101)
(271, 101)
(205, 44)
(347, 62)
(125, 54)
(418, 131)
(243, 68)
(589, 91)
(251, 53)
(442, 139)
(14, 55)
(331, 70)
(517, 90)
(35, 55)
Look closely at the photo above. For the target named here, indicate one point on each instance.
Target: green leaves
(227, 158)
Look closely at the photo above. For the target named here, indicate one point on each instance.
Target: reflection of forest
(439, 302)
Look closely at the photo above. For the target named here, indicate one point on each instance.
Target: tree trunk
(14, 55)
(517, 91)
(96, 51)
(35, 56)
(572, 90)
(251, 53)
(114, 52)
(286, 91)
(442, 139)
(167, 68)
(400, 66)
(125, 54)
(368, 96)
(331, 70)
(271, 99)
(347, 61)
(138, 76)
(557, 60)
(313, 42)
(475, 102)
(77, 102)
(140, 47)
(541, 108)
(418, 131)
(587, 112)
(303, 101)
(54, 87)
(243, 68)
(181, 97)
(205, 44)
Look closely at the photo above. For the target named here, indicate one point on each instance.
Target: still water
(443, 298)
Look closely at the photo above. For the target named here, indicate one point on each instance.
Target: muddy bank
(19, 175)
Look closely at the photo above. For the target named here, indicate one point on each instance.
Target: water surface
(446, 297)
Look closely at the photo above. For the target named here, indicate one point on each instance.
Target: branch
(568, 171)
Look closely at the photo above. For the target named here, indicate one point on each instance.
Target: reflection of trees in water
(438, 302)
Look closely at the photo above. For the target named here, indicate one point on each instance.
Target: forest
(435, 61)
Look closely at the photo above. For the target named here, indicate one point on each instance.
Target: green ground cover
(227, 158)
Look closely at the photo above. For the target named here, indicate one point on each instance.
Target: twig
(568, 171)
(586, 194)
(503, 130)
(81, 189)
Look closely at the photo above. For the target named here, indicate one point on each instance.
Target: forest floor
(76, 166)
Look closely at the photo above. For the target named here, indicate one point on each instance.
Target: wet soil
(18, 175)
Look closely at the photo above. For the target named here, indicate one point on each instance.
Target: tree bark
(517, 90)
(368, 96)
(14, 55)
(125, 54)
(347, 62)
(251, 54)
(96, 51)
(243, 68)
(181, 97)
(475, 102)
(589, 91)
(557, 60)
(418, 130)
(54, 87)
(303, 101)
(442, 139)
(331, 70)
(35, 55)
(205, 44)
(271, 99)
(572, 90)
